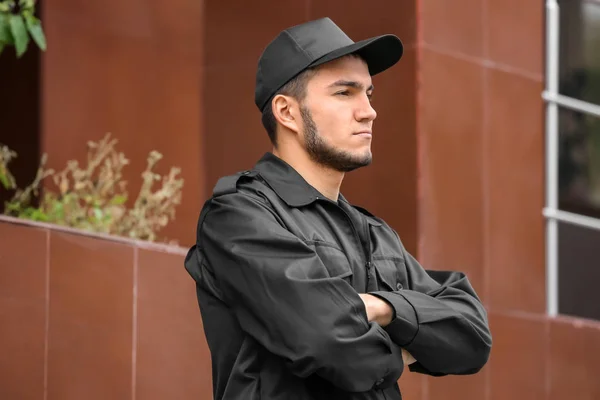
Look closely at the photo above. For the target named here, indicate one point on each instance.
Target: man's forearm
(381, 312)
(466, 339)
(378, 310)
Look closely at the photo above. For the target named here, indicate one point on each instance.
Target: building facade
(486, 145)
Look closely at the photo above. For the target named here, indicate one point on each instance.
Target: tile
(387, 188)
(234, 136)
(132, 19)
(174, 23)
(518, 358)
(385, 16)
(173, 361)
(411, 385)
(450, 144)
(453, 26)
(467, 387)
(158, 105)
(23, 268)
(573, 359)
(90, 329)
(515, 31)
(237, 34)
(514, 185)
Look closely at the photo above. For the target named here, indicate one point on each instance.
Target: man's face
(337, 115)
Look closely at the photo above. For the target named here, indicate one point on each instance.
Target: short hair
(295, 88)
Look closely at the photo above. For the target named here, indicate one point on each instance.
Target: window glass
(579, 271)
(580, 49)
(579, 163)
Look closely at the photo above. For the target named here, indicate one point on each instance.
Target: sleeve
(283, 297)
(440, 321)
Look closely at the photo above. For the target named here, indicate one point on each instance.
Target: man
(302, 295)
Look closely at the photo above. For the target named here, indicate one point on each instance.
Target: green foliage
(94, 197)
(6, 179)
(18, 25)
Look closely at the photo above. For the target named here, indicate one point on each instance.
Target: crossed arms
(283, 296)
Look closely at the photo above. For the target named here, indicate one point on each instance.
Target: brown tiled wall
(481, 181)
(94, 318)
(132, 69)
(481, 147)
(89, 318)
(458, 172)
(178, 77)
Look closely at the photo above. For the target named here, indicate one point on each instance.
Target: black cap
(314, 43)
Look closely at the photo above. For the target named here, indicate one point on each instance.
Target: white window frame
(553, 100)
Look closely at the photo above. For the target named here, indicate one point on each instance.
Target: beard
(323, 153)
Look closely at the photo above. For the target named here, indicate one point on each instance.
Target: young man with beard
(302, 295)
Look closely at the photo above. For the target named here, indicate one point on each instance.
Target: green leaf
(12, 206)
(19, 32)
(26, 4)
(6, 36)
(38, 215)
(58, 210)
(4, 180)
(34, 26)
(118, 200)
(4, 6)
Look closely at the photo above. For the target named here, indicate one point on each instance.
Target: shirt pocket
(391, 273)
(334, 259)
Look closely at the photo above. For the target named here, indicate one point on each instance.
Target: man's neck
(326, 180)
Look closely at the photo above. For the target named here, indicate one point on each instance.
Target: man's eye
(370, 96)
(343, 93)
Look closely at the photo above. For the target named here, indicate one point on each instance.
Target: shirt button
(399, 286)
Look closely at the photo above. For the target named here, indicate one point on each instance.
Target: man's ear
(286, 111)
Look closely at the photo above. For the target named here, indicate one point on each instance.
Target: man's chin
(357, 162)
(364, 159)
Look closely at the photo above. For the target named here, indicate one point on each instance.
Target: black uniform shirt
(278, 269)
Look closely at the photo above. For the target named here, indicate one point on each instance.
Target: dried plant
(94, 197)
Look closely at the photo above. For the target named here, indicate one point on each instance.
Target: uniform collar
(291, 187)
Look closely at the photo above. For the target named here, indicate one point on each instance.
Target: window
(573, 157)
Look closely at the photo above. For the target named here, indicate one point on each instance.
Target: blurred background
(486, 160)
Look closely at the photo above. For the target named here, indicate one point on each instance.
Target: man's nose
(366, 112)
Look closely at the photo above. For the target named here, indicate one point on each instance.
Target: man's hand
(407, 357)
(378, 310)
(381, 312)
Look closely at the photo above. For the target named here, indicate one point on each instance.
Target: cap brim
(380, 53)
